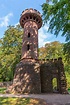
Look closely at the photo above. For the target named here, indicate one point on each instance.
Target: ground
(51, 99)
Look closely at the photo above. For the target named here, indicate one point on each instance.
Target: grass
(14, 101)
(2, 90)
(21, 101)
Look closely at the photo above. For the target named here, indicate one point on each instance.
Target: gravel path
(53, 99)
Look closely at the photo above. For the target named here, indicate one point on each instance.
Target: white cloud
(43, 35)
(4, 21)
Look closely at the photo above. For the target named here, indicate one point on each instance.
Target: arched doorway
(54, 83)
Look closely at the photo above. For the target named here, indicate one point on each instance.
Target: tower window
(37, 20)
(29, 35)
(34, 17)
(30, 17)
(22, 20)
(27, 17)
(28, 47)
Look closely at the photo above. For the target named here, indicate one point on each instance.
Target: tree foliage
(51, 50)
(10, 51)
(58, 15)
(67, 51)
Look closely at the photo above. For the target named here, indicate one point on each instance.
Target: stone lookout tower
(31, 21)
(27, 74)
(33, 76)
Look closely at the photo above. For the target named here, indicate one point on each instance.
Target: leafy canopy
(10, 51)
(51, 51)
(57, 12)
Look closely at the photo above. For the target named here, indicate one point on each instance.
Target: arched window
(28, 47)
(30, 17)
(29, 35)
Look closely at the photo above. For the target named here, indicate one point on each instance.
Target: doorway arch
(54, 83)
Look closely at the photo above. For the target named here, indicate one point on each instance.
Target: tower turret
(31, 21)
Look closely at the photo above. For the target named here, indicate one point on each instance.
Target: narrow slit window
(29, 35)
(30, 17)
(28, 47)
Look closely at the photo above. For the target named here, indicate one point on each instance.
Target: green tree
(10, 49)
(67, 51)
(51, 50)
(57, 13)
(42, 53)
(54, 49)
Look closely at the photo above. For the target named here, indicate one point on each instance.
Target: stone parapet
(31, 15)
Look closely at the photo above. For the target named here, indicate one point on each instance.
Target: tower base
(26, 79)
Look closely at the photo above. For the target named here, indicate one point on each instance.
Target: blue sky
(10, 11)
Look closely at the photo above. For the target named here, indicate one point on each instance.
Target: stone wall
(46, 78)
(49, 70)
